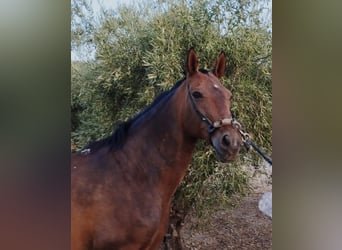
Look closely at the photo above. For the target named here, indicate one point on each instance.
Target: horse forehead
(205, 80)
(213, 83)
(210, 82)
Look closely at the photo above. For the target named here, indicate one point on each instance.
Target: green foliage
(209, 183)
(140, 51)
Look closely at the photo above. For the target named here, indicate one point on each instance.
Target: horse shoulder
(131, 220)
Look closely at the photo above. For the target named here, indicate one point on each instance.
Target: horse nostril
(225, 140)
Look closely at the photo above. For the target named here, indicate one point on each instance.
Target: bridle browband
(212, 126)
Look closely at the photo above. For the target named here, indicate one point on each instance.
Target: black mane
(204, 71)
(117, 139)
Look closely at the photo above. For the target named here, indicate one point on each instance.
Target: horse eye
(197, 95)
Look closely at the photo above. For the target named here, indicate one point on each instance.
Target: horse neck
(166, 147)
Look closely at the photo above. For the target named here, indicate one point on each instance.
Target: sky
(107, 4)
(112, 4)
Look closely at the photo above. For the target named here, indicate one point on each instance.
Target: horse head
(209, 108)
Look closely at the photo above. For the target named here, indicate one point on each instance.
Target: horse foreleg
(160, 233)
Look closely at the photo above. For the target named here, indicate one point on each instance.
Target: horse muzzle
(227, 144)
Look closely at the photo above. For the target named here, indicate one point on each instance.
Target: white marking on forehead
(216, 86)
(85, 151)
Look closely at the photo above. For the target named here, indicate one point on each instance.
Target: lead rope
(246, 139)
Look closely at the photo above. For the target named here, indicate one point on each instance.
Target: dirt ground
(240, 227)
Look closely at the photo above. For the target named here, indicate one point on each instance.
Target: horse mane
(204, 71)
(117, 139)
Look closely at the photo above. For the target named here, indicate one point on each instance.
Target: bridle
(212, 126)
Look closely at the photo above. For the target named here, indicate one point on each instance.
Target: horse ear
(191, 64)
(220, 65)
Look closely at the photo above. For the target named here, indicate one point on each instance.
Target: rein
(212, 126)
(248, 143)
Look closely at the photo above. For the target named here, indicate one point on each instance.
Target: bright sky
(109, 4)
(112, 4)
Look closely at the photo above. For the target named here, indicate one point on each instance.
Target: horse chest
(130, 228)
(126, 215)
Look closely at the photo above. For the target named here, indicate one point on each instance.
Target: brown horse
(121, 186)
